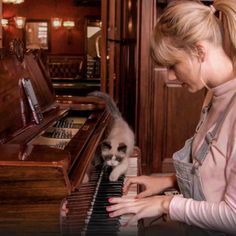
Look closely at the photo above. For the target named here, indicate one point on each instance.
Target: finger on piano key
(130, 229)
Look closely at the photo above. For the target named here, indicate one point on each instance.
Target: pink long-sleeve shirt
(218, 172)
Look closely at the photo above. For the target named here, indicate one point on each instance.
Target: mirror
(93, 42)
(37, 34)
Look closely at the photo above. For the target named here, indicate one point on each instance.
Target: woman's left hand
(140, 208)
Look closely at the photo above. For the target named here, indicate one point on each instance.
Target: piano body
(45, 167)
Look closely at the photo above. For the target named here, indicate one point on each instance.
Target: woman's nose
(171, 79)
(171, 75)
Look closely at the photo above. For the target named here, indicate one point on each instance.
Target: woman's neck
(221, 69)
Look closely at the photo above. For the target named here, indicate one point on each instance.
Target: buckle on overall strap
(209, 138)
(206, 109)
(203, 116)
(195, 167)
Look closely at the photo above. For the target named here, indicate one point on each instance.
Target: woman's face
(187, 71)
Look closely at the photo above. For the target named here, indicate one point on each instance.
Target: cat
(119, 144)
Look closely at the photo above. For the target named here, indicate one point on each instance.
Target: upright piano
(49, 168)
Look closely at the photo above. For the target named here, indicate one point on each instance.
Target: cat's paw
(113, 177)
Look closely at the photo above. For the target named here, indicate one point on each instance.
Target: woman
(189, 40)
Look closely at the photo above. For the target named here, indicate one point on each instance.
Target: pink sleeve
(217, 216)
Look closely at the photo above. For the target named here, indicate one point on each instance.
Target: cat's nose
(113, 164)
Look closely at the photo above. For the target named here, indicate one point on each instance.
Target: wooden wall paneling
(104, 46)
(158, 118)
(114, 69)
(117, 72)
(127, 90)
(115, 19)
(145, 87)
(181, 112)
(1, 24)
(120, 17)
(111, 21)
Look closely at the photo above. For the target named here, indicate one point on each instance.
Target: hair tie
(213, 10)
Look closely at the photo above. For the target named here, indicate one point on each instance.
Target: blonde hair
(184, 23)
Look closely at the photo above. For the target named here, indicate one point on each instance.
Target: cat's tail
(111, 105)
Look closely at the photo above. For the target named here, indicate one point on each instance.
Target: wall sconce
(13, 1)
(4, 22)
(69, 24)
(20, 22)
(56, 22)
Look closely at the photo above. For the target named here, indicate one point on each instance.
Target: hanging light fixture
(20, 22)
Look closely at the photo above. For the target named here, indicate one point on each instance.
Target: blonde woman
(189, 40)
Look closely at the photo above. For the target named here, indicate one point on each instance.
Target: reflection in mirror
(93, 48)
(36, 35)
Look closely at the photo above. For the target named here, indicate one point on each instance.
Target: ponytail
(227, 8)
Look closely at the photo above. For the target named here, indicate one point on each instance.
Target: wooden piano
(47, 170)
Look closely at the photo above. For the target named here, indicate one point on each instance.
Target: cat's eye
(122, 147)
(106, 145)
(119, 159)
(107, 157)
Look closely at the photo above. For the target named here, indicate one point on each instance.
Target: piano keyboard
(87, 213)
(60, 134)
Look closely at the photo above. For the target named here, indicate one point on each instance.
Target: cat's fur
(119, 144)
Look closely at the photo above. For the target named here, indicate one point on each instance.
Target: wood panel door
(176, 114)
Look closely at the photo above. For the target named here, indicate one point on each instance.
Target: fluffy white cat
(119, 144)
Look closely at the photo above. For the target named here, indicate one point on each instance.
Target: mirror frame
(48, 33)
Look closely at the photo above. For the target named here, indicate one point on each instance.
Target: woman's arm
(139, 208)
(219, 216)
(216, 216)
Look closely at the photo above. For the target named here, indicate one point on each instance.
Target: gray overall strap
(210, 136)
(204, 113)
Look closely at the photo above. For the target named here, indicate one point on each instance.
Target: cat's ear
(122, 147)
(106, 145)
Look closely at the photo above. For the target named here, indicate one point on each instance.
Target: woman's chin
(189, 88)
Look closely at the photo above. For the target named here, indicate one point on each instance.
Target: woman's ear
(201, 51)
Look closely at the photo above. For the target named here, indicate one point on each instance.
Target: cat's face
(113, 155)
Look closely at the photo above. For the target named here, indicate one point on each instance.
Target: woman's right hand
(152, 184)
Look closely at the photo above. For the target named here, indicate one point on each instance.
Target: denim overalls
(187, 167)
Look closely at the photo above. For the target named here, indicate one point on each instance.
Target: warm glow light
(18, 1)
(8, 1)
(13, 1)
(69, 24)
(20, 22)
(56, 22)
(4, 22)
